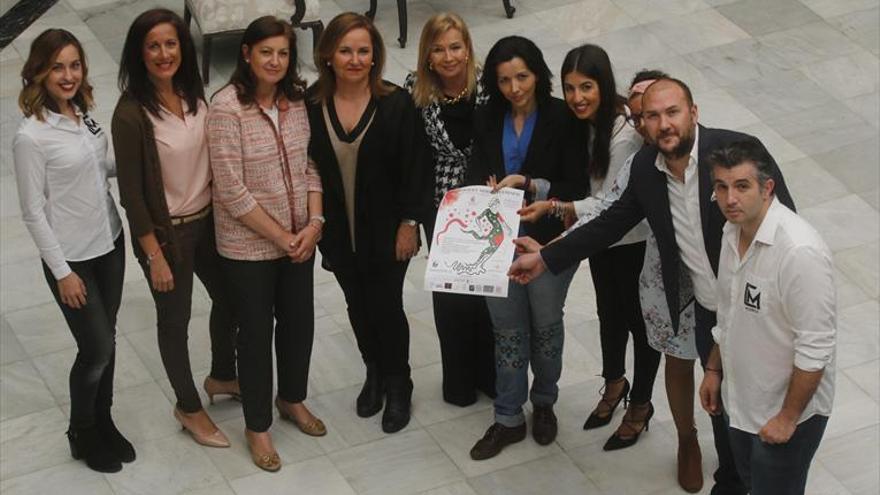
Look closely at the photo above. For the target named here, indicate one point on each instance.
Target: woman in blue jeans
(520, 140)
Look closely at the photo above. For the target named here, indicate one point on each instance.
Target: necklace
(451, 100)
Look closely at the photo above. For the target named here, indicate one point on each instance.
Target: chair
(401, 16)
(227, 17)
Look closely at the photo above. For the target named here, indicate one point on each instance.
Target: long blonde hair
(427, 87)
(34, 98)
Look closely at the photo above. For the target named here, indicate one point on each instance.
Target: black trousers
(173, 310)
(615, 273)
(727, 480)
(94, 328)
(467, 342)
(264, 293)
(374, 296)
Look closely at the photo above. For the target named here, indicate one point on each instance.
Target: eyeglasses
(634, 119)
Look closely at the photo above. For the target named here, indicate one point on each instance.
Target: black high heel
(616, 442)
(595, 421)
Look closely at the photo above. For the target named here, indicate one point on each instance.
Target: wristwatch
(409, 221)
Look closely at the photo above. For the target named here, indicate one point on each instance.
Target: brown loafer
(496, 438)
(267, 461)
(544, 426)
(690, 463)
(313, 428)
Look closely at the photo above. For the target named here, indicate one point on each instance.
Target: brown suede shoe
(496, 438)
(690, 463)
(544, 426)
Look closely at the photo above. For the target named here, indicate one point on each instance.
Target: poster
(472, 248)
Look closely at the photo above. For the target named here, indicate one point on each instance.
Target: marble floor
(800, 74)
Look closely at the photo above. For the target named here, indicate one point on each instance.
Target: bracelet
(152, 255)
(318, 218)
(527, 184)
(714, 370)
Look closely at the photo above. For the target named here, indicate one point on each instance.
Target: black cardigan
(392, 181)
(556, 153)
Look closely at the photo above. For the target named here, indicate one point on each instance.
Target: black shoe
(616, 442)
(398, 393)
(86, 443)
(114, 439)
(496, 438)
(595, 421)
(369, 401)
(544, 426)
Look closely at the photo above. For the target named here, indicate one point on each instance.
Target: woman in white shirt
(590, 92)
(61, 169)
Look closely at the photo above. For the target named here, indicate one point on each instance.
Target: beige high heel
(267, 462)
(214, 439)
(214, 387)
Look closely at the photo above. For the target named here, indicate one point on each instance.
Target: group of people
(239, 189)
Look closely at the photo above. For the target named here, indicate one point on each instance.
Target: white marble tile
(779, 93)
(678, 66)
(821, 481)
(697, 31)
(660, 9)
(419, 463)
(860, 264)
(71, 477)
(848, 76)
(69, 21)
(809, 43)
(853, 408)
(23, 285)
(822, 128)
(778, 146)
(832, 218)
(55, 370)
(10, 349)
(33, 442)
(854, 164)
(457, 488)
(759, 17)
(850, 459)
(532, 477)
(142, 413)
(312, 476)
(338, 409)
(861, 27)
(18, 245)
(41, 329)
(23, 390)
(146, 346)
(633, 46)
(802, 176)
(828, 8)
(717, 108)
(218, 489)
(581, 20)
(857, 334)
(457, 436)
(866, 107)
(336, 364)
(865, 376)
(170, 464)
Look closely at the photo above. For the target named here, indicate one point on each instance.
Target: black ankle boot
(369, 401)
(397, 408)
(114, 439)
(87, 444)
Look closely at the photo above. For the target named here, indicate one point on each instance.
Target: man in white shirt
(773, 361)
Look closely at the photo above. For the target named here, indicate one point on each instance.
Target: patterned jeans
(528, 328)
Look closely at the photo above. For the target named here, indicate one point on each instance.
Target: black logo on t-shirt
(752, 298)
(92, 125)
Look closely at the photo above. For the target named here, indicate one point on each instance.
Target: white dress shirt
(61, 169)
(776, 312)
(684, 203)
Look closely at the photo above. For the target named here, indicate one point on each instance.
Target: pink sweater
(248, 162)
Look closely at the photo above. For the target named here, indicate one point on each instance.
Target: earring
(247, 60)
(372, 63)
(328, 63)
(431, 66)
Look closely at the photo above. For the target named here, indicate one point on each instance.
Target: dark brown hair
(341, 25)
(44, 50)
(133, 77)
(291, 85)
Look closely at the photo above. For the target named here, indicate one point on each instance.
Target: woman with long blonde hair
(446, 90)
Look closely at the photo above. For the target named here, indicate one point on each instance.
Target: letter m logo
(752, 297)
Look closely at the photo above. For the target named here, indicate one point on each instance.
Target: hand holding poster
(472, 247)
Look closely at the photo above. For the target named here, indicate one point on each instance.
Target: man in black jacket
(669, 185)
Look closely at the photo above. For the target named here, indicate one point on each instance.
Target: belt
(191, 218)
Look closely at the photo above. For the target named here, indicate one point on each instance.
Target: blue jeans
(777, 469)
(528, 328)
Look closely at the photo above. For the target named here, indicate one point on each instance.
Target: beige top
(183, 158)
(347, 157)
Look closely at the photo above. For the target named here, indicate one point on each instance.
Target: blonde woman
(61, 169)
(446, 90)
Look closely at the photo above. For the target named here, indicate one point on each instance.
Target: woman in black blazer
(521, 140)
(368, 145)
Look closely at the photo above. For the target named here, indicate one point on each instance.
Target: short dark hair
(678, 82)
(291, 86)
(748, 150)
(592, 61)
(647, 75)
(505, 50)
(133, 79)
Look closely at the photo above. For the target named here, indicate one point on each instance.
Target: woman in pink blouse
(268, 215)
